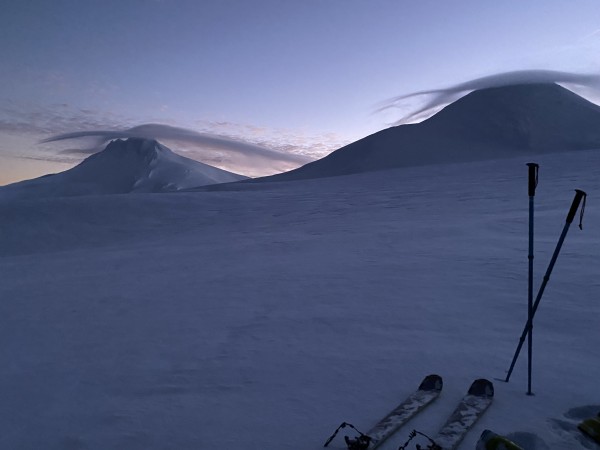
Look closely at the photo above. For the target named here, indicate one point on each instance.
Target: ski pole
(570, 216)
(532, 184)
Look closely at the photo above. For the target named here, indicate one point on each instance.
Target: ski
(469, 410)
(427, 392)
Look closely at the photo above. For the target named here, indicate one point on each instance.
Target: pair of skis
(478, 398)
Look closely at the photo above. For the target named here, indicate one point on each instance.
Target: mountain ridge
(485, 124)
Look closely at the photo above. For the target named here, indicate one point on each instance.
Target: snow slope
(263, 315)
(492, 123)
(124, 166)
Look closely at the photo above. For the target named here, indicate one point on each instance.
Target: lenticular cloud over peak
(134, 165)
(446, 95)
(498, 122)
(160, 131)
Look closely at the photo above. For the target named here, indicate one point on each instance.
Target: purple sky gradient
(301, 77)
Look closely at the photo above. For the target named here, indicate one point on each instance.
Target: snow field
(262, 316)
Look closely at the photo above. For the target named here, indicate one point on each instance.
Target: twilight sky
(294, 78)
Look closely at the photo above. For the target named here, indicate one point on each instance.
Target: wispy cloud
(593, 35)
(440, 97)
(286, 140)
(243, 148)
(167, 132)
(54, 118)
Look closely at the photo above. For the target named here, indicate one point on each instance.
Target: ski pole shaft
(530, 299)
(579, 195)
(533, 169)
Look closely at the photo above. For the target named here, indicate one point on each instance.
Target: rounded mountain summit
(133, 165)
(493, 123)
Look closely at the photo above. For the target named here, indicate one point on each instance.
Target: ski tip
(431, 382)
(482, 388)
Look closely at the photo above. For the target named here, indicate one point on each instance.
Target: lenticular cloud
(444, 96)
(159, 131)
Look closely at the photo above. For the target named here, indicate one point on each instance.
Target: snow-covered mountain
(486, 124)
(263, 315)
(124, 166)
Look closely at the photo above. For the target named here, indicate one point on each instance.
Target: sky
(301, 78)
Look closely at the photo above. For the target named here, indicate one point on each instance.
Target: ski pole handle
(579, 194)
(533, 177)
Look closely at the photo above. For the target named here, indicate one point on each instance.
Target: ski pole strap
(344, 425)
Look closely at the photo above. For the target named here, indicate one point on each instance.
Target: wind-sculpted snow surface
(262, 316)
(124, 166)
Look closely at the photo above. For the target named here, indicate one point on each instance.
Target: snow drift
(124, 166)
(492, 123)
